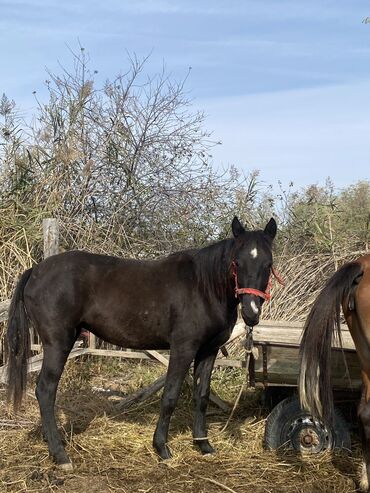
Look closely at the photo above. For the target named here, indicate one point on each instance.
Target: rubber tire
(289, 410)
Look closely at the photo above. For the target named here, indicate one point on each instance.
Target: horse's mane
(212, 267)
(212, 263)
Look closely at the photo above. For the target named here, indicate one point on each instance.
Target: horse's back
(125, 301)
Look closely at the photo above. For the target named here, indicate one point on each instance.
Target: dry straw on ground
(113, 452)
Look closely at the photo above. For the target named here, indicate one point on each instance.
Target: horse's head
(251, 267)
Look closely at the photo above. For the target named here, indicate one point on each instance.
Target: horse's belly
(122, 339)
(134, 331)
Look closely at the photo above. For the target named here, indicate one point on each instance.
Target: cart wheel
(289, 426)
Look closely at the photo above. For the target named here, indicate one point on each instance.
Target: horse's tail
(315, 390)
(18, 341)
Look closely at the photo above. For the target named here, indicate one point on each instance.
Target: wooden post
(92, 340)
(50, 228)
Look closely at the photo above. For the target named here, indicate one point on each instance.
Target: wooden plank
(159, 357)
(273, 331)
(219, 402)
(142, 394)
(50, 229)
(231, 363)
(35, 363)
(92, 340)
(288, 325)
(116, 353)
(283, 367)
(223, 362)
(31, 362)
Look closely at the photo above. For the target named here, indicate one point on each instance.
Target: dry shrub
(304, 275)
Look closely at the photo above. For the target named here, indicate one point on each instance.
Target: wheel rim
(308, 435)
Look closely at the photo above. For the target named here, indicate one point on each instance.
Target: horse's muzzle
(251, 322)
(251, 310)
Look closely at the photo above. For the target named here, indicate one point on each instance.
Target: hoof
(208, 450)
(205, 447)
(164, 453)
(66, 467)
(165, 456)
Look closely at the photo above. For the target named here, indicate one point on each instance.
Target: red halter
(266, 295)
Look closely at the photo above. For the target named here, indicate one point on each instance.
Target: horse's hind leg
(203, 365)
(55, 357)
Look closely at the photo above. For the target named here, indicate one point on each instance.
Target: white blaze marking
(254, 307)
(254, 253)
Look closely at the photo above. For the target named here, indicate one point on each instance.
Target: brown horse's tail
(324, 318)
(18, 341)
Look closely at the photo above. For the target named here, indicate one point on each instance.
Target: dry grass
(304, 276)
(113, 452)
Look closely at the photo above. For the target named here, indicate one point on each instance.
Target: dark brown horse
(349, 287)
(186, 302)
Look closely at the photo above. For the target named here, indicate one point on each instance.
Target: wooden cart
(276, 370)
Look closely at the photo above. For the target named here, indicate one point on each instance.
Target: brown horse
(349, 287)
(186, 302)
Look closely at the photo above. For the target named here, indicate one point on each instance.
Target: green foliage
(323, 220)
(354, 218)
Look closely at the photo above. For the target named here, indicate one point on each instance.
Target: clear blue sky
(285, 84)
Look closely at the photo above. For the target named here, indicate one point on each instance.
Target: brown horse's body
(349, 287)
(358, 320)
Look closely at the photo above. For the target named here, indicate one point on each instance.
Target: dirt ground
(112, 452)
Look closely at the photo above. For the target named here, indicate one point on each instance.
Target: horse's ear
(271, 228)
(236, 227)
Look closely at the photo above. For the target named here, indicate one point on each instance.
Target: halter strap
(266, 295)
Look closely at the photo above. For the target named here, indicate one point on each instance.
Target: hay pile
(113, 452)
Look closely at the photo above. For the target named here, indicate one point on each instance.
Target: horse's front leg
(180, 361)
(203, 366)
